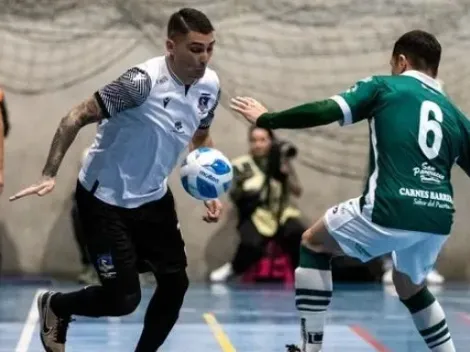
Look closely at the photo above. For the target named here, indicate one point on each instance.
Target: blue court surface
(243, 318)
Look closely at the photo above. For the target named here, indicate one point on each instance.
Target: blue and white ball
(206, 173)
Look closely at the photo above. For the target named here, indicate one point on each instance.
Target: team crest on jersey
(203, 103)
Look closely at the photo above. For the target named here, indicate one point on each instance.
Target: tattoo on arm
(83, 114)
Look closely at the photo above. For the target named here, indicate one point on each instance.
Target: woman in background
(263, 186)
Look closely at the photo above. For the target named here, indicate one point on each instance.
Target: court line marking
(367, 337)
(29, 325)
(219, 334)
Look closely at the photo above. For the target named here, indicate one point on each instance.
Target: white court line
(29, 325)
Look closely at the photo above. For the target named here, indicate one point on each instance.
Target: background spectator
(264, 183)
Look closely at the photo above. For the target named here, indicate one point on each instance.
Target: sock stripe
(433, 329)
(310, 292)
(439, 343)
(312, 302)
(313, 298)
(437, 337)
(301, 309)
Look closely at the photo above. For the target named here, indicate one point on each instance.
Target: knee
(127, 303)
(311, 241)
(404, 286)
(174, 286)
(182, 284)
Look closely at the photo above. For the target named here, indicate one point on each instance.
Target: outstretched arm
(348, 107)
(303, 116)
(87, 112)
(128, 91)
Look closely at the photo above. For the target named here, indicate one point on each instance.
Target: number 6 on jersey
(427, 125)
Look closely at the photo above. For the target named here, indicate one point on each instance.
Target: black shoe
(53, 329)
(293, 348)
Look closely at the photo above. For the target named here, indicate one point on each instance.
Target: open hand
(43, 187)
(249, 108)
(214, 210)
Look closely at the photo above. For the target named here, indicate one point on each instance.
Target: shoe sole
(41, 320)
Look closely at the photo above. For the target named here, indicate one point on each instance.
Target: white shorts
(413, 253)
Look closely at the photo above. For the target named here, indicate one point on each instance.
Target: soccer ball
(206, 173)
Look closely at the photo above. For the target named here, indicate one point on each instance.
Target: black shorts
(142, 239)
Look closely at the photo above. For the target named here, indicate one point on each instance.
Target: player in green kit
(416, 136)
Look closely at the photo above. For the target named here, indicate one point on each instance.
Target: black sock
(95, 301)
(163, 310)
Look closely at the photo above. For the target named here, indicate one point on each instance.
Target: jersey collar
(433, 83)
(174, 76)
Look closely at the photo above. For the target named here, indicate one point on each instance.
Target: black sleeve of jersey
(129, 91)
(207, 121)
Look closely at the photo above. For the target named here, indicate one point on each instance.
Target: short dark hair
(187, 20)
(421, 48)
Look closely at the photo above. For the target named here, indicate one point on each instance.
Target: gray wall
(304, 58)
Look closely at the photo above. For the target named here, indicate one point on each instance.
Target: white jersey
(152, 117)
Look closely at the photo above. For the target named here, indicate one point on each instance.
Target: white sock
(313, 291)
(430, 320)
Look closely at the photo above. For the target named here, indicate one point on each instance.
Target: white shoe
(387, 277)
(222, 274)
(434, 278)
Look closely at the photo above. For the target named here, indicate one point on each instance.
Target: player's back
(416, 136)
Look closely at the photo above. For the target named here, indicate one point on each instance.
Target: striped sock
(429, 319)
(313, 291)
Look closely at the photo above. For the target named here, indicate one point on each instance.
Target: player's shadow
(9, 262)
(222, 245)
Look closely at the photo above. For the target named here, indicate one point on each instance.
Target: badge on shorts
(105, 266)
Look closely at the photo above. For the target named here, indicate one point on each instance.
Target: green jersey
(416, 136)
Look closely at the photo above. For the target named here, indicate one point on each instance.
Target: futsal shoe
(53, 329)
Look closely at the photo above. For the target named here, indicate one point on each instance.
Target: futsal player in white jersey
(146, 117)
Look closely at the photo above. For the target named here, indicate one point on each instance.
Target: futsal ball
(206, 173)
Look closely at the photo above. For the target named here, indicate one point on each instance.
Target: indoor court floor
(244, 319)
